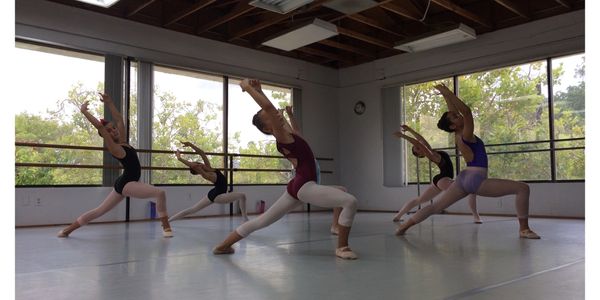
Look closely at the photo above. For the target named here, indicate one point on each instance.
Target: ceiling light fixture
(279, 6)
(103, 3)
(312, 32)
(456, 34)
(350, 7)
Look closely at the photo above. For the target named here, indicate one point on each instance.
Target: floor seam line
(479, 290)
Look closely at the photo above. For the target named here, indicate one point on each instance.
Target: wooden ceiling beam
(274, 20)
(453, 7)
(240, 9)
(188, 11)
(348, 48)
(375, 24)
(365, 38)
(516, 7)
(134, 10)
(408, 11)
(565, 3)
(325, 54)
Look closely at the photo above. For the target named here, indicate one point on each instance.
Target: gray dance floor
(445, 257)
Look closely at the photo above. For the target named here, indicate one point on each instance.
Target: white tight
(132, 189)
(222, 199)
(310, 192)
(488, 188)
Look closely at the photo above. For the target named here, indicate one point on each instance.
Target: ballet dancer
(441, 181)
(472, 180)
(126, 185)
(336, 210)
(302, 188)
(218, 194)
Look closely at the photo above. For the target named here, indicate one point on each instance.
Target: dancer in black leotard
(218, 194)
(127, 185)
(441, 182)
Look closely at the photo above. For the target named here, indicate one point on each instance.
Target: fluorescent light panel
(461, 33)
(349, 7)
(279, 6)
(316, 31)
(103, 3)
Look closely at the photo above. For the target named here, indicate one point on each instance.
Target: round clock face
(359, 108)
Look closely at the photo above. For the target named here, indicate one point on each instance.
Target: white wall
(328, 98)
(42, 206)
(361, 151)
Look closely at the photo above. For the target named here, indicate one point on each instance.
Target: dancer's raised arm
(272, 115)
(199, 151)
(417, 136)
(110, 143)
(117, 117)
(294, 123)
(455, 104)
(420, 147)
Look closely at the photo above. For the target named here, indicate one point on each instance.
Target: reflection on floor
(445, 257)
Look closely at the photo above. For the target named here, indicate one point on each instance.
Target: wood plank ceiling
(363, 37)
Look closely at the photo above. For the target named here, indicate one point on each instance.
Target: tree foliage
(173, 121)
(508, 106)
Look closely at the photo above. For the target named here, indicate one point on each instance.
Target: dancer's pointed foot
(528, 234)
(345, 253)
(223, 250)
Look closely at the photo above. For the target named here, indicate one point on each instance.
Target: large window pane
(570, 164)
(510, 105)
(188, 106)
(423, 108)
(52, 85)
(133, 107)
(568, 77)
(246, 139)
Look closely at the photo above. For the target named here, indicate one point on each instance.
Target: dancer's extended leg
(109, 203)
(204, 202)
(283, 205)
(448, 197)
(427, 195)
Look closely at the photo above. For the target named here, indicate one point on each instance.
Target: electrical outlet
(500, 203)
(38, 202)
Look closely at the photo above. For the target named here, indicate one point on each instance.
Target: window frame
(551, 139)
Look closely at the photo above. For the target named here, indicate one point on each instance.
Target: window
(568, 78)
(244, 138)
(510, 107)
(52, 84)
(423, 108)
(133, 107)
(188, 106)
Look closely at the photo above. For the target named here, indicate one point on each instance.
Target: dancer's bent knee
(348, 211)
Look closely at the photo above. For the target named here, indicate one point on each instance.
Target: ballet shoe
(528, 234)
(345, 253)
(167, 232)
(217, 251)
(62, 234)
